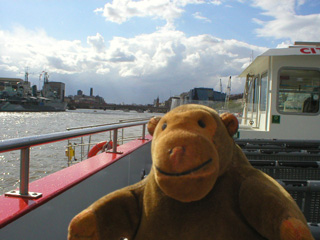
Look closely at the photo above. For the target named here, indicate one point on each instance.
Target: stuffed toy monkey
(201, 186)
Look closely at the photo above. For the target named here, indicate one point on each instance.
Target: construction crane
(26, 74)
(228, 92)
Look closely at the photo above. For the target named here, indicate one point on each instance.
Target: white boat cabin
(282, 94)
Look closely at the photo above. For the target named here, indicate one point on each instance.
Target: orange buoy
(101, 146)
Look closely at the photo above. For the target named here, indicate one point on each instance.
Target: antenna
(26, 74)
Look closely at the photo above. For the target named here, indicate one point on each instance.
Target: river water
(49, 158)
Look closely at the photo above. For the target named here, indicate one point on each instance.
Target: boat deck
(69, 191)
(296, 166)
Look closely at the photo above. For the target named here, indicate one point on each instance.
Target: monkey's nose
(176, 151)
(176, 155)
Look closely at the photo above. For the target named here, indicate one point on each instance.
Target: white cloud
(286, 24)
(156, 62)
(198, 15)
(102, 70)
(97, 42)
(119, 11)
(38, 51)
(8, 68)
(275, 8)
(303, 28)
(216, 2)
(285, 44)
(301, 2)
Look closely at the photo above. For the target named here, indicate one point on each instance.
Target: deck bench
(296, 166)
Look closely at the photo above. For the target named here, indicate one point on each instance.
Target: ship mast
(46, 77)
(40, 78)
(26, 75)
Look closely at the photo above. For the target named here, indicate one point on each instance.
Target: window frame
(278, 92)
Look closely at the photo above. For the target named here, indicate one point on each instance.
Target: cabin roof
(277, 52)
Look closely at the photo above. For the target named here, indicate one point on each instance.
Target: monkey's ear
(231, 123)
(153, 122)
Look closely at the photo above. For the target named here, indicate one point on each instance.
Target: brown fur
(188, 196)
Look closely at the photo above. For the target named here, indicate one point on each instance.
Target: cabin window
(256, 94)
(250, 96)
(264, 92)
(299, 91)
(253, 95)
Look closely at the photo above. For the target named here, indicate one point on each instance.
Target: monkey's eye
(164, 126)
(201, 124)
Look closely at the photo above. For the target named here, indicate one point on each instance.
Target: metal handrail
(19, 143)
(108, 124)
(100, 125)
(25, 143)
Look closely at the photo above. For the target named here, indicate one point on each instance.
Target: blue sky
(135, 50)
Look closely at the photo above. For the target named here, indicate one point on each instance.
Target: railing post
(24, 177)
(82, 149)
(122, 135)
(115, 140)
(89, 146)
(24, 171)
(143, 131)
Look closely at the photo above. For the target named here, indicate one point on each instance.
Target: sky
(133, 51)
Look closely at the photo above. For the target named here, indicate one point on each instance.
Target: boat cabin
(281, 94)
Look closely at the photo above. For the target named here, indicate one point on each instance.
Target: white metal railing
(73, 145)
(24, 144)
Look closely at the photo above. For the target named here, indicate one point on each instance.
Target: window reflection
(299, 91)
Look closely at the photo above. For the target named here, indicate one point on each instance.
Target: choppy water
(49, 158)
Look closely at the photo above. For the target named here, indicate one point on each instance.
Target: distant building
(83, 101)
(206, 94)
(156, 102)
